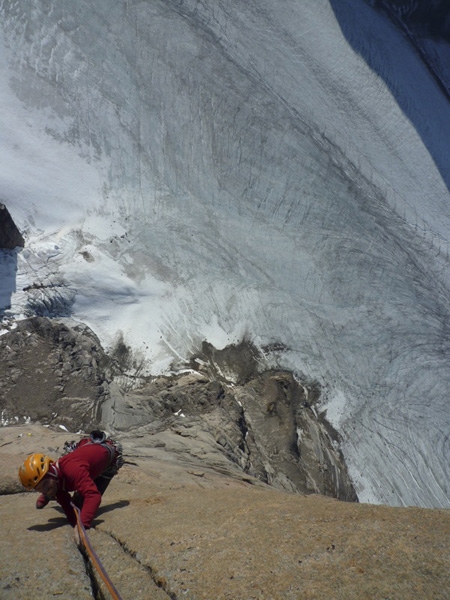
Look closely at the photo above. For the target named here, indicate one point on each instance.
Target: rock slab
(168, 528)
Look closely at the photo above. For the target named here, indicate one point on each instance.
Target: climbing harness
(94, 557)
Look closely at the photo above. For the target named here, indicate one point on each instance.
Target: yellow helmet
(33, 469)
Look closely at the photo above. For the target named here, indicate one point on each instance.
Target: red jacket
(76, 472)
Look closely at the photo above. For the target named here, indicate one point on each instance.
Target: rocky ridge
(223, 491)
(224, 407)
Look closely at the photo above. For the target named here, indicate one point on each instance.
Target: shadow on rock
(109, 507)
(53, 523)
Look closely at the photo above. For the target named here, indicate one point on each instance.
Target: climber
(86, 469)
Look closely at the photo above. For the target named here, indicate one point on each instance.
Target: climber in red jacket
(86, 470)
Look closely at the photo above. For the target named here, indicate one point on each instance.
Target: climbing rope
(94, 557)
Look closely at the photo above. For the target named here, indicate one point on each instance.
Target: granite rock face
(171, 527)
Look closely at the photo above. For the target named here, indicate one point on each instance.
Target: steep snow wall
(184, 171)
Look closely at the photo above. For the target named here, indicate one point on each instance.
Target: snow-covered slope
(185, 171)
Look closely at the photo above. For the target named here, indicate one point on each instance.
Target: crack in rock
(132, 578)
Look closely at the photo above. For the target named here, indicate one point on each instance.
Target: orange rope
(93, 556)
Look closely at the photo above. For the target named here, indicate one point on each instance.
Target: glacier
(271, 171)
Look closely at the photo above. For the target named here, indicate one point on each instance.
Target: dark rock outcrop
(10, 236)
(51, 373)
(229, 412)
